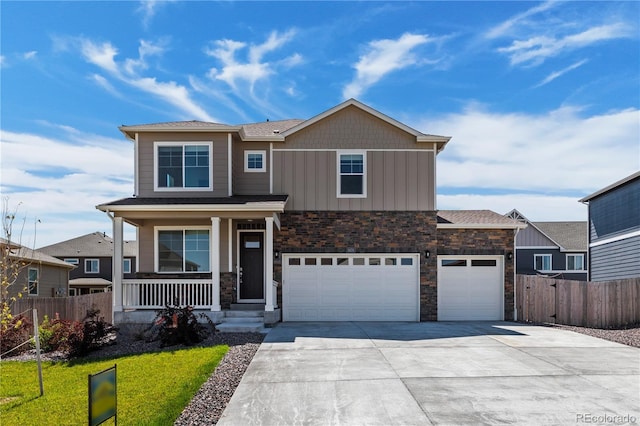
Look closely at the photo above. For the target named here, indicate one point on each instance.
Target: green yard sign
(103, 401)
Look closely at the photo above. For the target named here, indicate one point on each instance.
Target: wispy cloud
(535, 50)
(383, 57)
(255, 67)
(30, 55)
(130, 72)
(149, 8)
(3, 61)
(507, 26)
(560, 73)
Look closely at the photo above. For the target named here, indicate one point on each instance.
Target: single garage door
(470, 288)
(345, 287)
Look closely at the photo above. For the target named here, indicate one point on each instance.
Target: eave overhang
(480, 226)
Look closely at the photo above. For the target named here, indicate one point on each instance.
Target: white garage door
(470, 288)
(345, 287)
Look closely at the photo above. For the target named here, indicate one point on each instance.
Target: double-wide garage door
(346, 287)
(470, 288)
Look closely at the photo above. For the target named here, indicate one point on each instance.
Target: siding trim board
(616, 238)
(364, 149)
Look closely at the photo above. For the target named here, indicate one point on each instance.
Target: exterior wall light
(276, 254)
(427, 254)
(510, 256)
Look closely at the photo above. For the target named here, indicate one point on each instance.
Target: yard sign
(102, 396)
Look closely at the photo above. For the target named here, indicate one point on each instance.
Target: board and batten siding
(531, 237)
(396, 180)
(146, 165)
(256, 183)
(616, 260)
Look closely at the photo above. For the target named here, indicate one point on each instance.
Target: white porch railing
(157, 293)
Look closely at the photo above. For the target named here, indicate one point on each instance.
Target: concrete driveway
(435, 373)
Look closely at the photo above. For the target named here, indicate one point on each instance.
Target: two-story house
(327, 219)
(92, 256)
(614, 230)
(33, 273)
(555, 249)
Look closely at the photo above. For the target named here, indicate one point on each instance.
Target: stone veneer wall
(483, 242)
(364, 232)
(228, 294)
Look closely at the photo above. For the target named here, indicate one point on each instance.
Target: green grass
(153, 388)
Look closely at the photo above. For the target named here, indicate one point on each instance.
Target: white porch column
(116, 267)
(268, 265)
(214, 259)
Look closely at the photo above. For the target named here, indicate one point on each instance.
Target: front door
(251, 275)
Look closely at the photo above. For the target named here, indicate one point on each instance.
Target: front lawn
(153, 388)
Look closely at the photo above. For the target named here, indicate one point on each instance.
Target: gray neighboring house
(557, 249)
(614, 230)
(92, 255)
(41, 275)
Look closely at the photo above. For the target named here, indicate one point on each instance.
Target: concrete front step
(244, 314)
(258, 320)
(242, 327)
(247, 306)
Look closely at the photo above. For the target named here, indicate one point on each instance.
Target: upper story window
(255, 161)
(92, 266)
(33, 282)
(72, 261)
(183, 166)
(542, 262)
(575, 262)
(182, 250)
(352, 174)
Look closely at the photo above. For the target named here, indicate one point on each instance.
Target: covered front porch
(215, 257)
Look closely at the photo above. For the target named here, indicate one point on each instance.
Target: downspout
(515, 287)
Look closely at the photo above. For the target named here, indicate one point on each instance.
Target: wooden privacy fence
(601, 304)
(68, 308)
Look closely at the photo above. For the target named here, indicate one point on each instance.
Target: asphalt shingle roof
(159, 201)
(32, 255)
(477, 217)
(95, 244)
(572, 236)
(269, 128)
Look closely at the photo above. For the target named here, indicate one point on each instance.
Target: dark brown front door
(252, 266)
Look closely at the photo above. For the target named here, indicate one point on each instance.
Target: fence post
(36, 333)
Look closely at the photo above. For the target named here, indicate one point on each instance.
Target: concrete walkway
(435, 373)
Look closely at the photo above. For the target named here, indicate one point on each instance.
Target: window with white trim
(352, 174)
(32, 285)
(542, 262)
(255, 161)
(126, 266)
(92, 266)
(72, 261)
(575, 262)
(183, 166)
(183, 250)
(72, 291)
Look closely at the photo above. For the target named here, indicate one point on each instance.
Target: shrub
(14, 333)
(174, 325)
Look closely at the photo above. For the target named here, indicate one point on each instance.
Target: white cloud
(103, 55)
(537, 49)
(149, 8)
(3, 61)
(30, 55)
(555, 153)
(255, 68)
(383, 57)
(60, 180)
(556, 74)
(505, 27)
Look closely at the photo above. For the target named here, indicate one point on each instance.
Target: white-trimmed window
(352, 174)
(255, 161)
(182, 250)
(32, 284)
(92, 266)
(183, 166)
(126, 266)
(72, 291)
(542, 262)
(72, 261)
(575, 262)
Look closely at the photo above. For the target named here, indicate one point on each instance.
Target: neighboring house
(614, 230)
(39, 275)
(330, 218)
(555, 249)
(92, 256)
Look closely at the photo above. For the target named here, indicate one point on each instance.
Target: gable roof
(486, 219)
(570, 236)
(420, 137)
(267, 130)
(34, 256)
(96, 244)
(176, 126)
(614, 185)
(567, 235)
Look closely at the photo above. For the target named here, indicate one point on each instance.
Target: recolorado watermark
(607, 418)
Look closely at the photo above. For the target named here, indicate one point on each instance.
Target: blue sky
(542, 99)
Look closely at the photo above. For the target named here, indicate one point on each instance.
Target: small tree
(12, 262)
